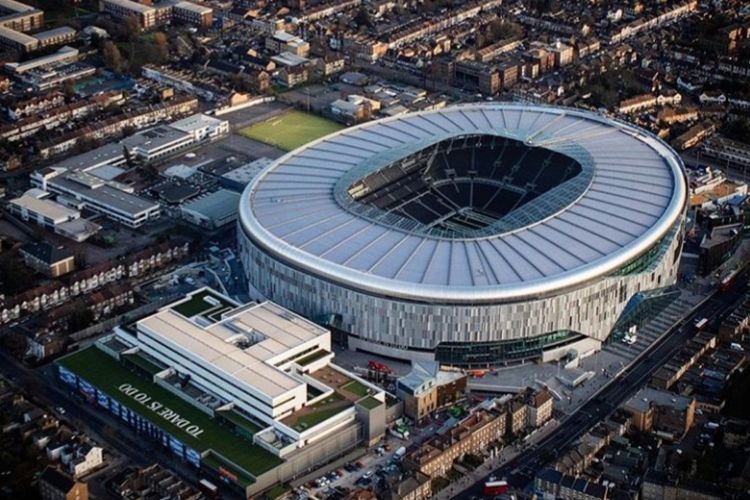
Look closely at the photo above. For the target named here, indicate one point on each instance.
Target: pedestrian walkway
(652, 330)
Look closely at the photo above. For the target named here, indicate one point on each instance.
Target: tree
(363, 18)
(81, 260)
(112, 57)
(161, 46)
(132, 27)
(69, 90)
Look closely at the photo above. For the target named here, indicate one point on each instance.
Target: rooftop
(196, 122)
(245, 343)
(301, 208)
(59, 480)
(426, 374)
(649, 396)
(46, 252)
(78, 182)
(47, 208)
(108, 375)
(217, 205)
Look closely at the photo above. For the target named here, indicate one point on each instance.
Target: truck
(399, 454)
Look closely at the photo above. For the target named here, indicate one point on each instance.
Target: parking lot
(362, 473)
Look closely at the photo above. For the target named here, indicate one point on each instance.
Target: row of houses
(477, 433)
(44, 297)
(150, 16)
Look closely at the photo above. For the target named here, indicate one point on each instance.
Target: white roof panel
(636, 194)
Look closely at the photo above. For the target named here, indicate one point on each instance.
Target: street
(520, 470)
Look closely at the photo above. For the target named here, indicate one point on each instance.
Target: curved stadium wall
(475, 235)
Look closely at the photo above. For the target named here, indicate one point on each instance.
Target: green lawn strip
(312, 357)
(291, 129)
(277, 491)
(356, 387)
(240, 421)
(215, 462)
(107, 374)
(320, 411)
(197, 304)
(143, 363)
(312, 419)
(369, 402)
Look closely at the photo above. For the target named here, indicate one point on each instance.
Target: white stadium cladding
(475, 234)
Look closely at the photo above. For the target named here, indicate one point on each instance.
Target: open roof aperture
(460, 185)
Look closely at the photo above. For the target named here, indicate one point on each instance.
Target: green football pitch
(290, 130)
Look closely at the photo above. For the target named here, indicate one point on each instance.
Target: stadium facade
(474, 235)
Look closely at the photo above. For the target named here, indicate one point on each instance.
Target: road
(521, 470)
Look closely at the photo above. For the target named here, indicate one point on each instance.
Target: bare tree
(112, 57)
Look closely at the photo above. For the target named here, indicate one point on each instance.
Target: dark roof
(550, 475)
(46, 252)
(596, 490)
(567, 481)
(56, 479)
(580, 484)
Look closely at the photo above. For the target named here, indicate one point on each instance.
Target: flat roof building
(98, 195)
(43, 212)
(120, 9)
(229, 387)
(261, 358)
(213, 210)
(90, 177)
(238, 178)
(64, 54)
(35, 206)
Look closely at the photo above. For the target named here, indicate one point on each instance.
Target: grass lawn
(240, 421)
(290, 130)
(104, 372)
(312, 357)
(277, 491)
(198, 305)
(355, 387)
(311, 419)
(369, 402)
(316, 413)
(143, 363)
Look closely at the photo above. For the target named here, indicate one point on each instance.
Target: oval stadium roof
(297, 211)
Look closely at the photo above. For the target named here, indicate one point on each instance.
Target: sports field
(290, 130)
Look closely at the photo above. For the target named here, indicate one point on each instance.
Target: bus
(493, 488)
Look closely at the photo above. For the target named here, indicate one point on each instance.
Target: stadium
(474, 235)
